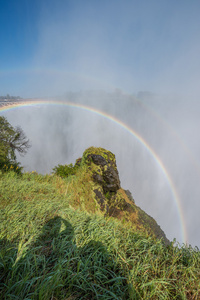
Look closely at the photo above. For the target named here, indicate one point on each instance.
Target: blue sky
(50, 47)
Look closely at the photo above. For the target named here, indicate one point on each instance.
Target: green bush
(11, 140)
(6, 166)
(65, 170)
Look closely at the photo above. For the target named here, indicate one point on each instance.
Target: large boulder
(111, 199)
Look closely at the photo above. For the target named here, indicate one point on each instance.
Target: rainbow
(172, 132)
(39, 102)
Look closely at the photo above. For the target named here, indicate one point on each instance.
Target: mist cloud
(59, 135)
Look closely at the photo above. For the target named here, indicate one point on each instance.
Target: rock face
(107, 175)
(111, 199)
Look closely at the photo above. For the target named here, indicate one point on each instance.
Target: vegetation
(57, 241)
(11, 140)
(55, 245)
(65, 170)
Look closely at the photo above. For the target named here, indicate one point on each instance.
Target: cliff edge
(103, 188)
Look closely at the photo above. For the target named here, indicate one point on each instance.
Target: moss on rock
(108, 196)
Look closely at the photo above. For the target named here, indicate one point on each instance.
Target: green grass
(54, 246)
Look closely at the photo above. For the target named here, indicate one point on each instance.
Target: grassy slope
(54, 244)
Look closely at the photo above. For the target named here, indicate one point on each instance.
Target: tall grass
(51, 249)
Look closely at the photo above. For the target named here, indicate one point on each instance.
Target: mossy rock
(109, 198)
(104, 168)
(99, 156)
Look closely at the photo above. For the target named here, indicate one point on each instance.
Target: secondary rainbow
(29, 103)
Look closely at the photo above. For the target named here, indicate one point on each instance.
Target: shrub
(11, 140)
(6, 166)
(65, 170)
